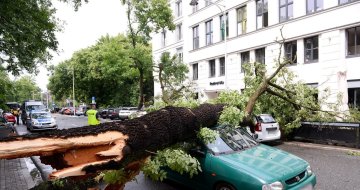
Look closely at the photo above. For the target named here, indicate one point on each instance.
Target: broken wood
(114, 145)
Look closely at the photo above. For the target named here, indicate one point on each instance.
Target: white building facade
(322, 36)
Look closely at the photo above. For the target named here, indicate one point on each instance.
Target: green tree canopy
(27, 33)
(104, 70)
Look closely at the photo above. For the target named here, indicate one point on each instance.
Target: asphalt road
(334, 167)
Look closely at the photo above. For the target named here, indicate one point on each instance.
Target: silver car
(40, 120)
(125, 112)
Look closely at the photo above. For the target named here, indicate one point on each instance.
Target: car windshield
(230, 140)
(41, 115)
(266, 119)
(35, 107)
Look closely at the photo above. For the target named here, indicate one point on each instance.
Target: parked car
(236, 161)
(41, 120)
(104, 113)
(69, 111)
(138, 113)
(6, 128)
(125, 112)
(114, 113)
(9, 117)
(79, 112)
(61, 111)
(266, 128)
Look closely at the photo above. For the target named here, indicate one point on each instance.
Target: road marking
(74, 125)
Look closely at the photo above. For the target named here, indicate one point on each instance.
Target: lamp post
(195, 2)
(73, 73)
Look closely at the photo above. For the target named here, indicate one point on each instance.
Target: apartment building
(322, 37)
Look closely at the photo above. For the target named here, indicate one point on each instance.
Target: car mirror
(195, 152)
(256, 136)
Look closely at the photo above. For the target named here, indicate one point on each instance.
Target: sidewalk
(14, 175)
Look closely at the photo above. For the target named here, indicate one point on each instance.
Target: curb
(321, 146)
(42, 173)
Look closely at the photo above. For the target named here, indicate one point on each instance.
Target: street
(333, 166)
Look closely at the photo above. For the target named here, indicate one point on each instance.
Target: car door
(201, 180)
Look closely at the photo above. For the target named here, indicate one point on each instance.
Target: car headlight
(35, 122)
(53, 121)
(308, 170)
(277, 185)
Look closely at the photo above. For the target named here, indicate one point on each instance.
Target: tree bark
(115, 145)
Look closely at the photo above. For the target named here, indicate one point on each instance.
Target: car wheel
(224, 186)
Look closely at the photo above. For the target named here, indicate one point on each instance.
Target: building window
(179, 32)
(222, 66)
(290, 52)
(195, 71)
(314, 5)
(260, 55)
(311, 49)
(353, 41)
(209, 32)
(241, 20)
(286, 10)
(163, 38)
(196, 37)
(354, 97)
(212, 68)
(346, 1)
(178, 8)
(261, 13)
(179, 52)
(207, 3)
(222, 26)
(245, 59)
(195, 8)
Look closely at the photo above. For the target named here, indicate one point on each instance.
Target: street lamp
(195, 2)
(73, 73)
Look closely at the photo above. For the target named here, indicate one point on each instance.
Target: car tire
(224, 186)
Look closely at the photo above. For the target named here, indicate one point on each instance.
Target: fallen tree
(115, 145)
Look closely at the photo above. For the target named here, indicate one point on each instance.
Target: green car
(236, 161)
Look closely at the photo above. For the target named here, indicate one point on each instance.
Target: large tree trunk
(115, 145)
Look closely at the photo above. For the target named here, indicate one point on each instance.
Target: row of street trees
(18, 90)
(103, 70)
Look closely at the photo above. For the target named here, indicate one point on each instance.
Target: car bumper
(43, 128)
(268, 137)
(307, 184)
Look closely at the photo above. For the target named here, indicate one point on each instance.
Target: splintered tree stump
(114, 145)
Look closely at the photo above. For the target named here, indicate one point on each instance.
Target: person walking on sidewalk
(93, 115)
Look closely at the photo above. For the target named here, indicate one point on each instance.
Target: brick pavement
(14, 175)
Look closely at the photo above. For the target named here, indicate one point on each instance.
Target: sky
(83, 28)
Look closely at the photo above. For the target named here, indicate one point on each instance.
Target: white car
(125, 112)
(40, 120)
(266, 128)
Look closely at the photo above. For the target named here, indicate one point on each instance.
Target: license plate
(307, 187)
(271, 129)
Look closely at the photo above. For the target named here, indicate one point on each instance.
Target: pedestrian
(93, 115)
(16, 113)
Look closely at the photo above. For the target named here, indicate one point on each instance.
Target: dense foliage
(17, 90)
(104, 71)
(145, 17)
(27, 34)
